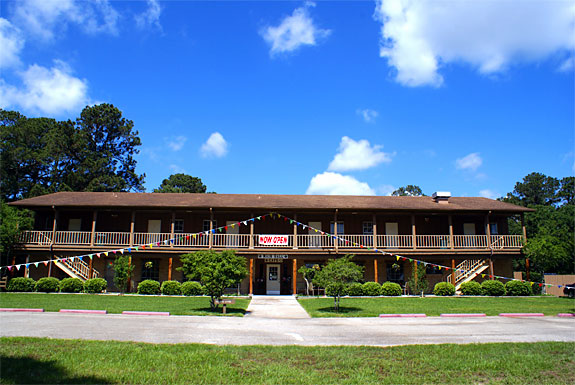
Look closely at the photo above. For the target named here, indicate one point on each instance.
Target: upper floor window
(493, 230)
(339, 228)
(75, 224)
(178, 226)
(206, 226)
(367, 228)
(469, 229)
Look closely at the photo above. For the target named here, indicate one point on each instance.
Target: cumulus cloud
(330, 183)
(48, 90)
(44, 18)
(150, 18)
(175, 169)
(419, 37)
(368, 115)
(469, 162)
(358, 155)
(176, 143)
(12, 42)
(216, 146)
(489, 194)
(293, 32)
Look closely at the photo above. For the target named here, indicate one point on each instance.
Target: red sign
(273, 240)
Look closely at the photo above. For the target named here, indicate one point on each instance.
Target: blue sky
(330, 97)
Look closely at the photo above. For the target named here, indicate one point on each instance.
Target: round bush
(171, 288)
(149, 286)
(355, 289)
(518, 288)
(71, 285)
(493, 288)
(444, 289)
(192, 288)
(471, 288)
(371, 288)
(95, 285)
(21, 284)
(390, 289)
(48, 285)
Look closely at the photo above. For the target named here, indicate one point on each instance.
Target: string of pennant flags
(245, 222)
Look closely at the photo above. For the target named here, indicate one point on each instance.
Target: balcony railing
(244, 241)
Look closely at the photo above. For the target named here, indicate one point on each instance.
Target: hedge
(192, 288)
(21, 284)
(493, 288)
(71, 285)
(95, 285)
(48, 285)
(471, 288)
(390, 289)
(444, 289)
(355, 289)
(171, 288)
(371, 288)
(517, 288)
(149, 286)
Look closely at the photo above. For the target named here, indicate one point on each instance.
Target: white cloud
(150, 18)
(293, 32)
(216, 146)
(469, 162)
(358, 155)
(386, 189)
(419, 37)
(12, 42)
(48, 90)
(175, 169)
(45, 18)
(176, 143)
(568, 65)
(330, 183)
(368, 115)
(489, 194)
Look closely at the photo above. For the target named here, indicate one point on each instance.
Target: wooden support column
(295, 231)
(26, 269)
(294, 277)
(251, 236)
(413, 233)
(251, 276)
(415, 272)
(488, 231)
(453, 271)
(451, 237)
(90, 269)
(523, 228)
(93, 236)
(374, 221)
(13, 271)
(527, 269)
(132, 224)
(172, 228)
(375, 269)
(170, 260)
(335, 240)
(54, 226)
(210, 235)
(491, 269)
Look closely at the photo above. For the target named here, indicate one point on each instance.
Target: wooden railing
(242, 241)
(79, 267)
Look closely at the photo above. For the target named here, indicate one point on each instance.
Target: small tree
(336, 276)
(308, 273)
(122, 272)
(215, 271)
(421, 284)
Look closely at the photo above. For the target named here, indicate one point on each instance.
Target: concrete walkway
(278, 306)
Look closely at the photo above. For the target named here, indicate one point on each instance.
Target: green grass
(117, 303)
(39, 360)
(434, 306)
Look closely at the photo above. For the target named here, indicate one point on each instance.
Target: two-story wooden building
(469, 234)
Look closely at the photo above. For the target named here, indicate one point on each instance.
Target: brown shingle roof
(264, 201)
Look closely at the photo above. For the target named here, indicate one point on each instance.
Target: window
(469, 229)
(395, 273)
(493, 229)
(339, 228)
(75, 224)
(151, 269)
(207, 224)
(178, 226)
(367, 228)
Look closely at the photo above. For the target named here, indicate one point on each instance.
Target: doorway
(273, 279)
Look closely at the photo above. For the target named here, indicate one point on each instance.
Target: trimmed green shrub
(471, 288)
(355, 289)
(21, 284)
(95, 285)
(192, 288)
(371, 288)
(390, 289)
(518, 288)
(444, 289)
(71, 285)
(493, 288)
(171, 288)
(48, 285)
(149, 286)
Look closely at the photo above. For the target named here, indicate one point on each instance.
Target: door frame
(279, 267)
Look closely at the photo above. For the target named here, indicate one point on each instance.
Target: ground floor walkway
(275, 306)
(255, 330)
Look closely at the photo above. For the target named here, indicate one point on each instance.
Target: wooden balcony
(37, 240)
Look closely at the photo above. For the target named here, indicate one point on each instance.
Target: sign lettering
(273, 240)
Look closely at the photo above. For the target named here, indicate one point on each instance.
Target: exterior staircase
(471, 269)
(76, 269)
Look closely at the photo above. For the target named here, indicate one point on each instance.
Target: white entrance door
(154, 230)
(315, 238)
(273, 279)
(232, 234)
(392, 230)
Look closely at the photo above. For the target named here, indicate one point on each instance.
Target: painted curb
(146, 312)
(402, 315)
(522, 315)
(463, 315)
(83, 311)
(565, 315)
(22, 310)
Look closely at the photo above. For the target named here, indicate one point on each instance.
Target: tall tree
(181, 183)
(13, 221)
(409, 190)
(536, 189)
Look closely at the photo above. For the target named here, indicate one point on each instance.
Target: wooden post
(523, 228)
(54, 227)
(453, 271)
(132, 224)
(527, 270)
(451, 237)
(251, 276)
(375, 269)
(26, 270)
(90, 269)
(93, 236)
(210, 235)
(172, 227)
(13, 271)
(373, 220)
(413, 233)
(335, 240)
(488, 231)
(295, 231)
(251, 234)
(170, 268)
(415, 271)
(294, 277)
(491, 269)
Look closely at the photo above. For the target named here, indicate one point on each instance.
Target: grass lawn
(117, 303)
(434, 306)
(40, 360)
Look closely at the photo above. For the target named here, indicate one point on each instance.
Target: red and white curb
(522, 315)
(22, 310)
(463, 315)
(566, 315)
(416, 315)
(80, 311)
(146, 312)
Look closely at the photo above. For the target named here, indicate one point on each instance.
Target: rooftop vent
(441, 197)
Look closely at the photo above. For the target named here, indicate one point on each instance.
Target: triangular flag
(9, 268)
(17, 267)
(106, 253)
(45, 263)
(36, 264)
(397, 256)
